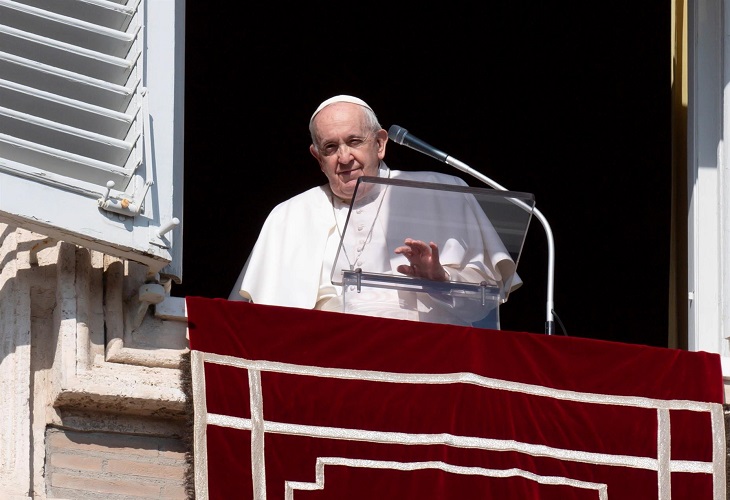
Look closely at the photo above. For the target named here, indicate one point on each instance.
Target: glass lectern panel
(479, 234)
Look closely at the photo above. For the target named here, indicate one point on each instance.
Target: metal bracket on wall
(121, 204)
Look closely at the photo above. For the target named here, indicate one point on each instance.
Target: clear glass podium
(480, 233)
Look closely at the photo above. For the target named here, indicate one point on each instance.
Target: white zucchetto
(339, 98)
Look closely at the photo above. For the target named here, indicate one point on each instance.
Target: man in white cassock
(292, 261)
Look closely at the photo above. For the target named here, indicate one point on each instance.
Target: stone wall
(114, 465)
(91, 402)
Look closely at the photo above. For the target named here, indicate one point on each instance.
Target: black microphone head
(401, 136)
(397, 133)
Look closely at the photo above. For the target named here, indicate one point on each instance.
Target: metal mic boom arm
(399, 135)
(549, 322)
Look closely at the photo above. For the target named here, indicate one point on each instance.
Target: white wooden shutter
(91, 124)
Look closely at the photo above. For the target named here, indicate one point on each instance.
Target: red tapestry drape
(298, 404)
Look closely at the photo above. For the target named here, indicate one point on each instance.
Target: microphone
(401, 136)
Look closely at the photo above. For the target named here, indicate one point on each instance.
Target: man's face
(347, 149)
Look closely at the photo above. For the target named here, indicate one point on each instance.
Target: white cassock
(291, 262)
